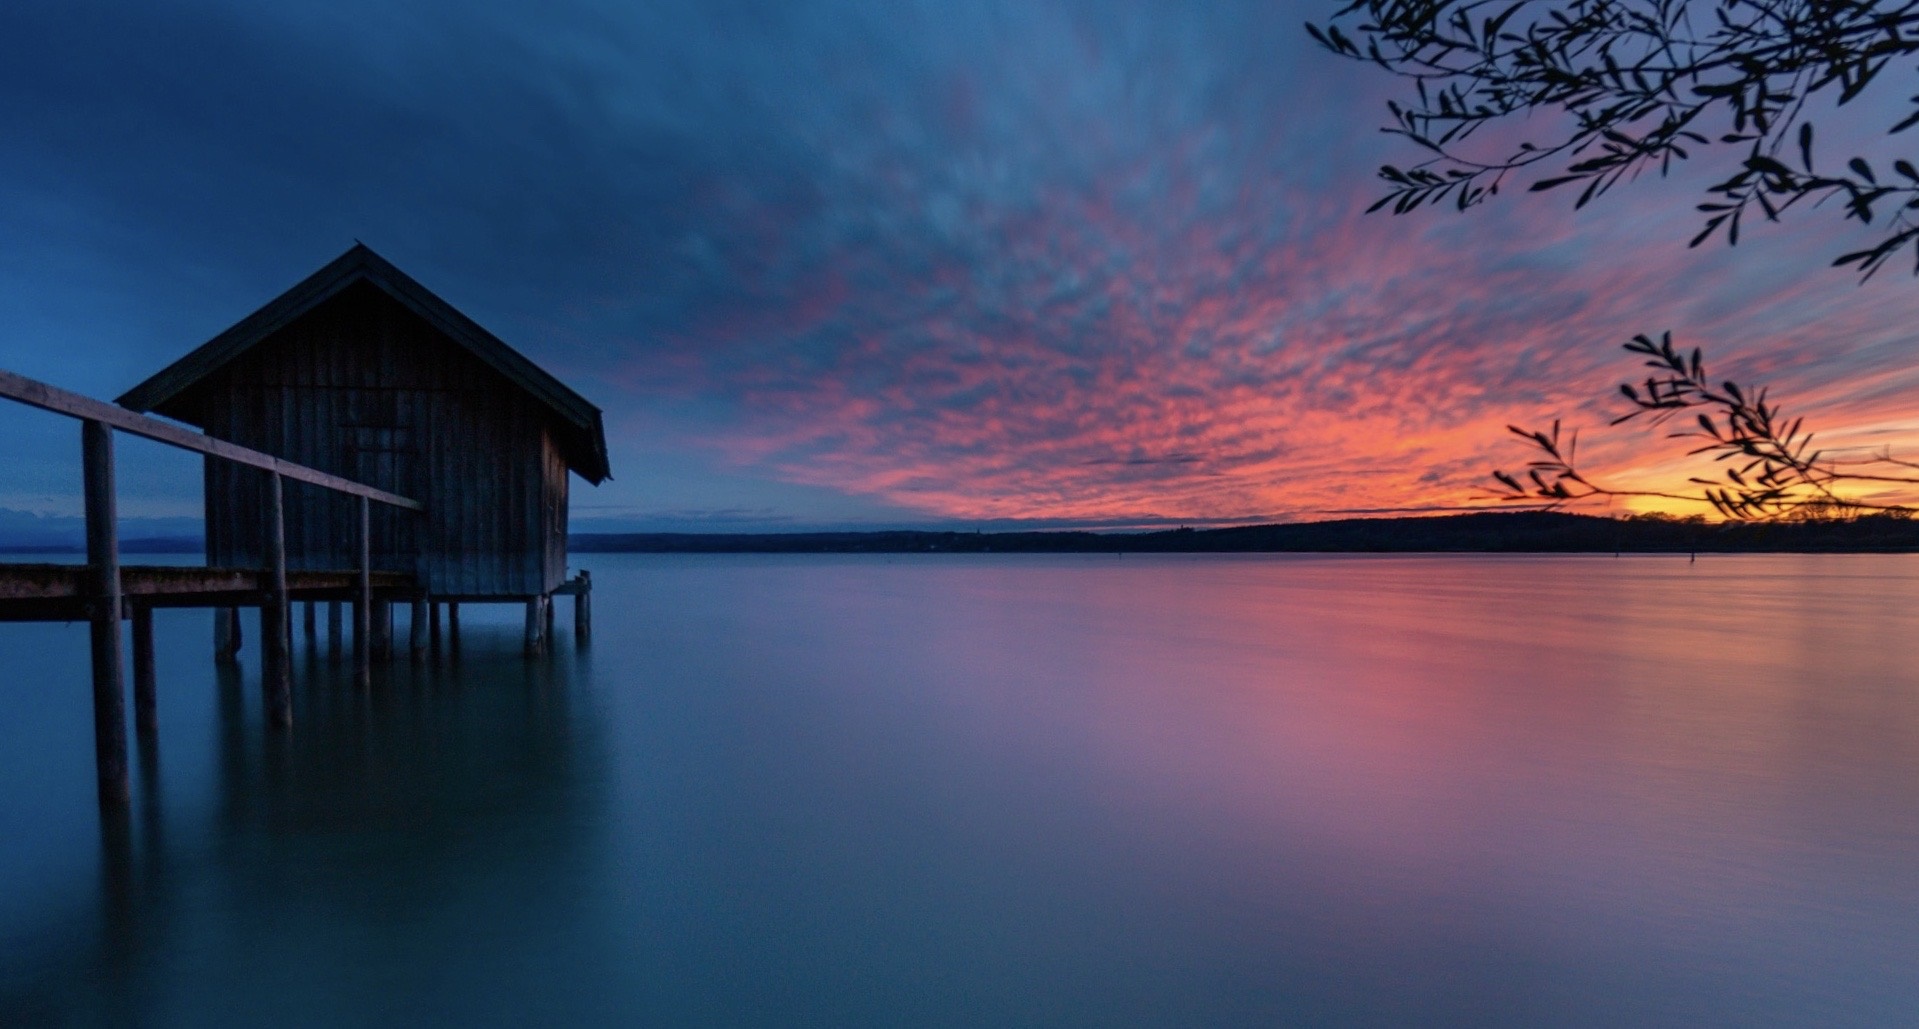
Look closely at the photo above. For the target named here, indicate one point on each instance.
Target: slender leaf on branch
(1778, 475)
(1629, 80)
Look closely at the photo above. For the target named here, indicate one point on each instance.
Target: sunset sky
(865, 265)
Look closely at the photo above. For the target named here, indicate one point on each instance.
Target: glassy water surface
(1028, 790)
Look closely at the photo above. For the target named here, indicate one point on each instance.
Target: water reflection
(321, 853)
(1392, 789)
(820, 790)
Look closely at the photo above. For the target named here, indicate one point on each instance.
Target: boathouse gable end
(372, 384)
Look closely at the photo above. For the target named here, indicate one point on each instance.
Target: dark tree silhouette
(1610, 89)
(1770, 469)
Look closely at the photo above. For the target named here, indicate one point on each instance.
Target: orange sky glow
(1044, 265)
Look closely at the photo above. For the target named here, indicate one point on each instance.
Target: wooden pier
(322, 416)
(105, 593)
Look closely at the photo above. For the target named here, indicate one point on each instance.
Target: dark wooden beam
(187, 586)
(52, 398)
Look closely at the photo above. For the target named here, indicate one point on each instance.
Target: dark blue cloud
(833, 262)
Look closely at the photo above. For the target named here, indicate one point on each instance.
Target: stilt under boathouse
(365, 444)
(361, 372)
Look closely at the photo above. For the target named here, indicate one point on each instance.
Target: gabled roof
(361, 264)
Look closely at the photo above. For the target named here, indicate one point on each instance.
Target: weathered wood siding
(553, 496)
(363, 388)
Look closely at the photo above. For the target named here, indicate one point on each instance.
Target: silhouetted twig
(1640, 84)
(1771, 469)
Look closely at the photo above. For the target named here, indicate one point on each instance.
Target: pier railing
(98, 420)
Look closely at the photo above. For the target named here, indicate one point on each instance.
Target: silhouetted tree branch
(1640, 84)
(1771, 470)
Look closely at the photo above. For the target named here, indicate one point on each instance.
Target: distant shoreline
(1489, 532)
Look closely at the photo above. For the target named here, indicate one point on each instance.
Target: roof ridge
(361, 263)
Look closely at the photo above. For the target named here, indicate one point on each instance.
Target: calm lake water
(1010, 791)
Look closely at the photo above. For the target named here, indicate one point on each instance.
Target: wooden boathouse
(364, 442)
(360, 372)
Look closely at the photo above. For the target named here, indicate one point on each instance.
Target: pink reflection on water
(1709, 764)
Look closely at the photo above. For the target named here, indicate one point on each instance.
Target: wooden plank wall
(362, 387)
(554, 497)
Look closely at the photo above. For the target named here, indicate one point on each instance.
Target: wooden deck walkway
(61, 592)
(99, 590)
(104, 593)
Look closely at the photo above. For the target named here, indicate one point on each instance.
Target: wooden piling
(310, 620)
(146, 720)
(535, 625)
(433, 627)
(103, 561)
(416, 630)
(382, 630)
(547, 605)
(334, 629)
(453, 625)
(276, 671)
(583, 609)
(226, 634)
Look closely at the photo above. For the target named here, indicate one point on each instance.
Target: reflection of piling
(117, 885)
(146, 719)
(416, 630)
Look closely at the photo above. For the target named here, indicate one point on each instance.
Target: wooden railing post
(103, 561)
(107, 603)
(276, 675)
(363, 601)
